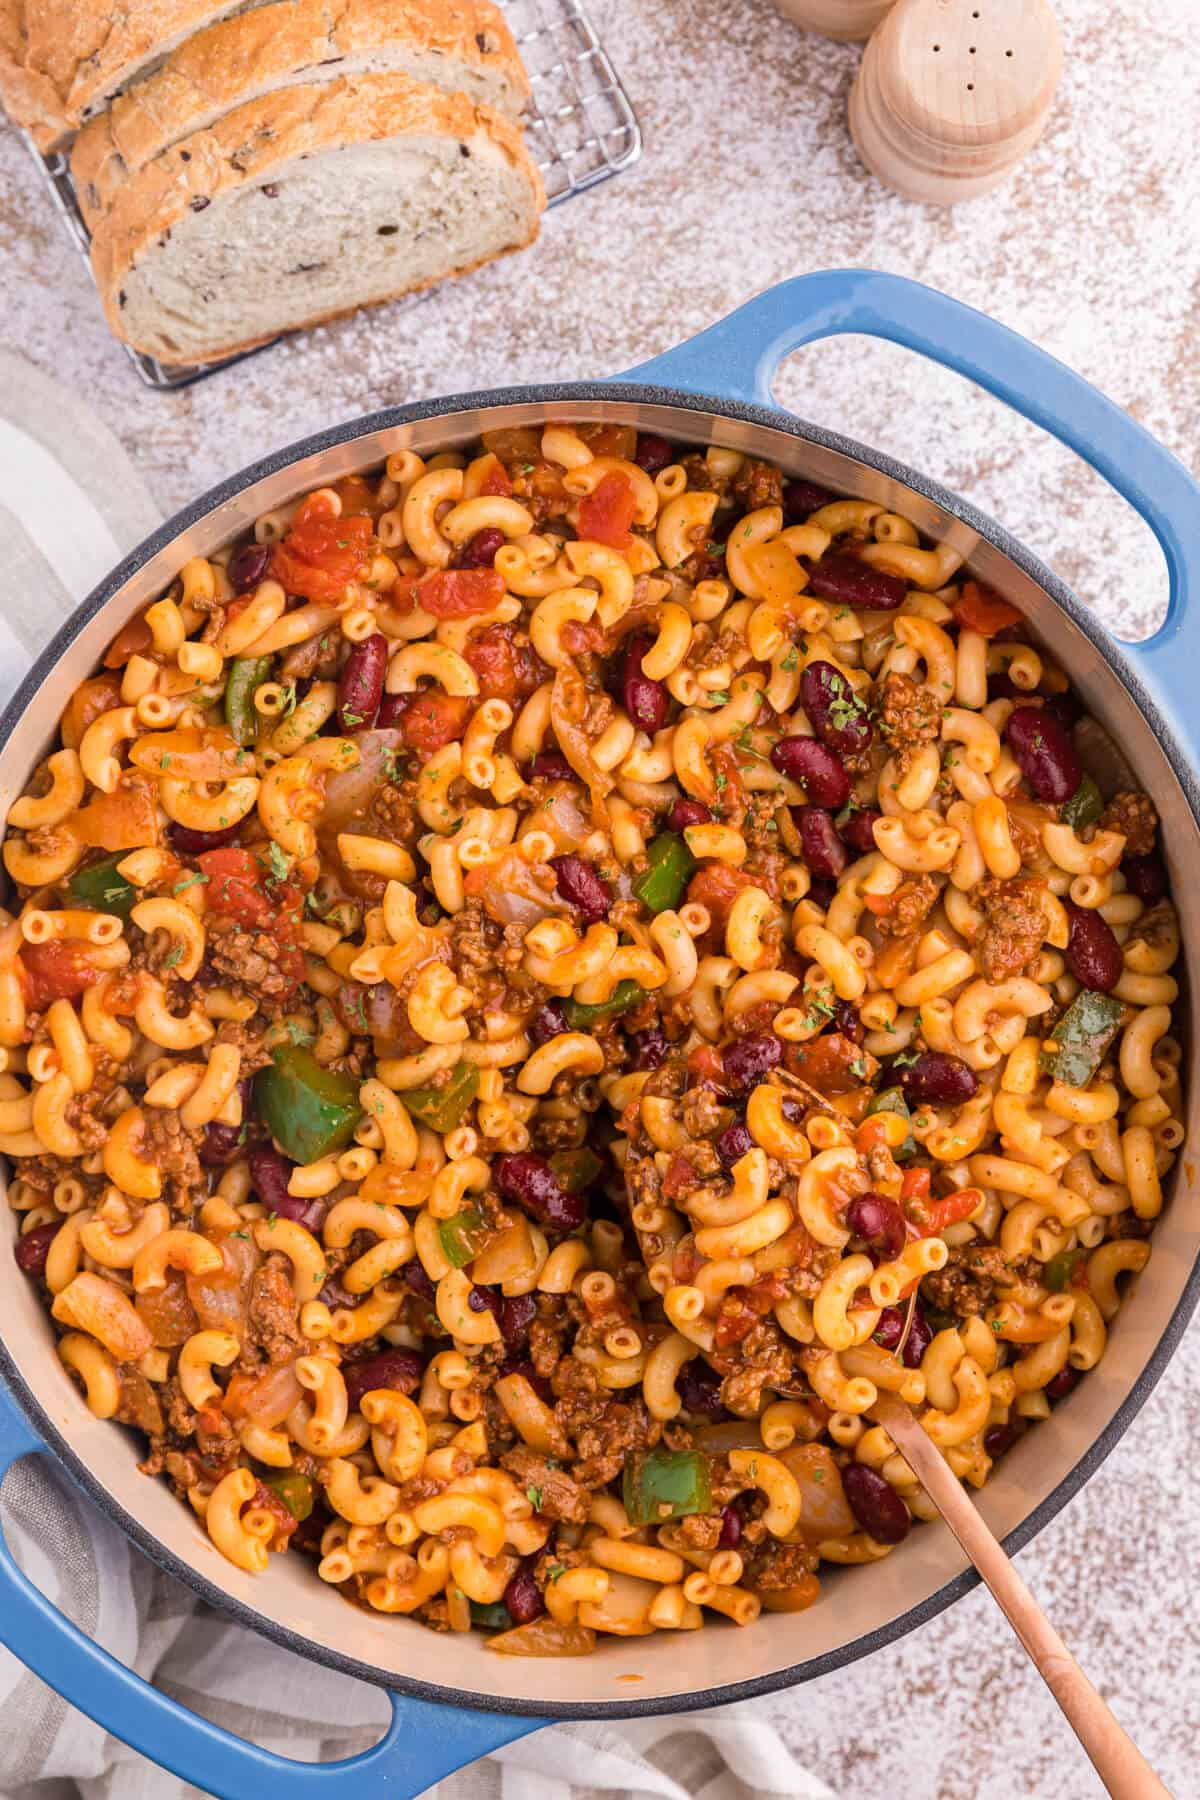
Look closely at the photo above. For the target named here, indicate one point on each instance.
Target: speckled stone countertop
(748, 176)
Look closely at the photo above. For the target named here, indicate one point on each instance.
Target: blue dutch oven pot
(453, 1701)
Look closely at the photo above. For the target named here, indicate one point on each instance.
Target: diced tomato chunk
(58, 970)
(133, 639)
(706, 1068)
(459, 593)
(235, 886)
(981, 609)
(735, 1321)
(495, 480)
(508, 666)
(90, 699)
(321, 555)
(832, 1064)
(431, 719)
(716, 887)
(679, 1178)
(933, 1215)
(607, 513)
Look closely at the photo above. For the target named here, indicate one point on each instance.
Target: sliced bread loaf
(301, 206)
(61, 61)
(461, 46)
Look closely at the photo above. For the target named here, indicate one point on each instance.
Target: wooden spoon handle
(1116, 1758)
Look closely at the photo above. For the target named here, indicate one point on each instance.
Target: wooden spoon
(1115, 1757)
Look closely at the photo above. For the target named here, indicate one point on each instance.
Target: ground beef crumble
(909, 716)
(1014, 926)
(1134, 816)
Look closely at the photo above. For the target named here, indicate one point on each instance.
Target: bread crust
(61, 58)
(247, 145)
(213, 71)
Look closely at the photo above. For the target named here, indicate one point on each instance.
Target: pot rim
(1115, 657)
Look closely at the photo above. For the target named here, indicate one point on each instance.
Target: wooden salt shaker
(952, 94)
(847, 20)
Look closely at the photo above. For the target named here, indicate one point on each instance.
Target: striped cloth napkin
(71, 504)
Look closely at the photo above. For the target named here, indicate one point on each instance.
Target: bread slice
(61, 61)
(306, 204)
(461, 46)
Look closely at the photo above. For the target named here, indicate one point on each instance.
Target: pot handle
(737, 358)
(424, 1741)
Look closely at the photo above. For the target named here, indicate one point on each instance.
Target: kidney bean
(800, 498)
(479, 551)
(1062, 1384)
(486, 1299)
(578, 883)
(248, 566)
(269, 1172)
(523, 1598)
(917, 1342)
(699, 1388)
(399, 1369)
(875, 1504)
(1001, 686)
(1093, 954)
(1066, 709)
(835, 712)
(220, 1145)
(652, 452)
(334, 1295)
(849, 582)
(936, 1079)
(733, 1143)
(890, 1329)
(879, 1221)
(549, 1023)
(821, 893)
(32, 1250)
(529, 1181)
(1044, 753)
(859, 830)
(647, 702)
(193, 843)
(417, 1280)
(516, 1316)
(550, 765)
(814, 763)
(1146, 877)
(688, 812)
(822, 848)
(847, 1021)
(360, 684)
(392, 709)
(748, 1059)
(649, 1048)
(999, 1438)
(517, 1365)
(731, 1530)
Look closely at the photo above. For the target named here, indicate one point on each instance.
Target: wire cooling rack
(580, 128)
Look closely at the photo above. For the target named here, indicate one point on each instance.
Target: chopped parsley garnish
(790, 660)
(174, 955)
(720, 696)
(289, 700)
(299, 1034)
(187, 882)
(534, 1497)
(280, 863)
(844, 712)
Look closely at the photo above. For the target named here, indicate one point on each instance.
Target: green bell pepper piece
(461, 1235)
(494, 1617)
(892, 1100)
(1084, 807)
(296, 1492)
(575, 1170)
(246, 676)
(666, 1484)
(581, 1018)
(1059, 1270)
(442, 1108)
(1078, 1042)
(99, 885)
(662, 884)
(309, 1110)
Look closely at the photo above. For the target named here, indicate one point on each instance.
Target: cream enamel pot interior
(714, 389)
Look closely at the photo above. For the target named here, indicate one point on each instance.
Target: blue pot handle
(737, 358)
(423, 1743)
